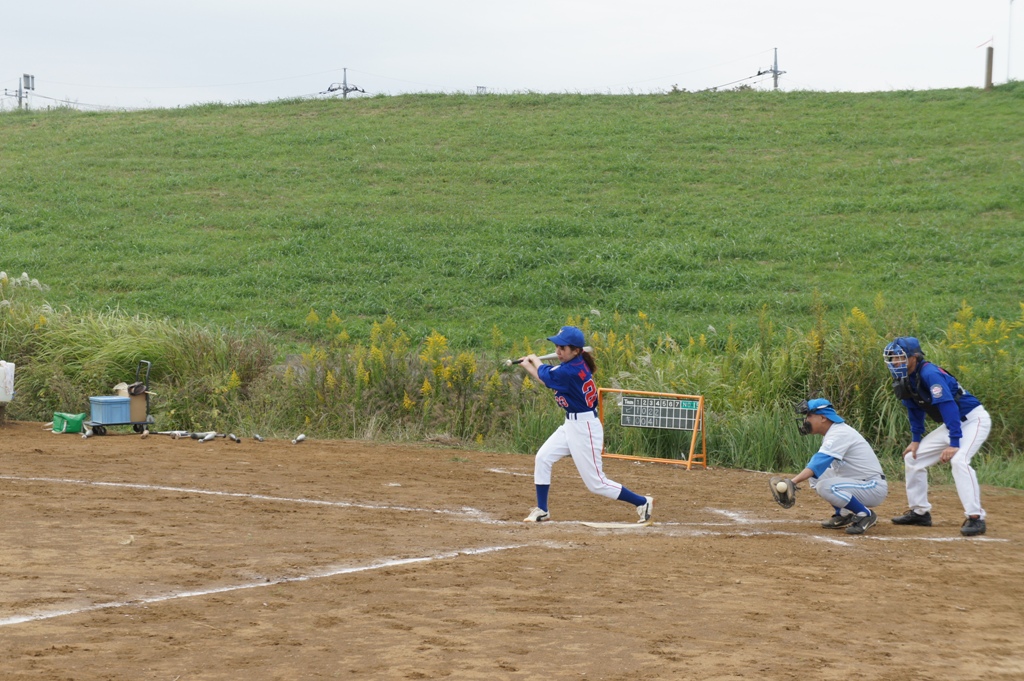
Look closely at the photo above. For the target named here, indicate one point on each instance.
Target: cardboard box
(137, 408)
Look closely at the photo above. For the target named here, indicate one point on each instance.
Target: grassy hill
(459, 213)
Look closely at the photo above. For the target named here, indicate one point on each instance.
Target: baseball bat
(553, 355)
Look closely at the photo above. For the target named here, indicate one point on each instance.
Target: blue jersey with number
(573, 384)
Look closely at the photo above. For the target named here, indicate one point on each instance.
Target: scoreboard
(658, 412)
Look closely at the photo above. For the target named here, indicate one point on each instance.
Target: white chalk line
(464, 511)
(320, 574)
(939, 539)
(757, 533)
(505, 472)
(741, 518)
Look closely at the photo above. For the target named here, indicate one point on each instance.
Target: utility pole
(25, 83)
(775, 69)
(1009, 41)
(989, 51)
(343, 86)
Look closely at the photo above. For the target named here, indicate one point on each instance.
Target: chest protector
(909, 388)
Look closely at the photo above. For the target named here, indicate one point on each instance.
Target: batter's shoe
(537, 516)
(912, 517)
(838, 521)
(862, 523)
(972, 527)
(646, 511)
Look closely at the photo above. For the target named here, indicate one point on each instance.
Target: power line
(703, 68)
(757, 75)
(400, 80)
(191, 87)
(102, 107)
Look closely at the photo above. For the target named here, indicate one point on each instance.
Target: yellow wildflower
(435, 347)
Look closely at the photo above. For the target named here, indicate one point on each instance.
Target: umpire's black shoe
(911, 517)
(972, 527)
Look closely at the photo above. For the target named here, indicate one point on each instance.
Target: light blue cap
(823, 407)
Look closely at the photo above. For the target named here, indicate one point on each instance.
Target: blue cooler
(109, 409)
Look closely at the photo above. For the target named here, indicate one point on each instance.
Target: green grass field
(459, 213)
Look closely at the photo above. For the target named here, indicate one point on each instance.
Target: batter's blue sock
(838, 510)
(542, 497)
(631, 497)
(857, 507)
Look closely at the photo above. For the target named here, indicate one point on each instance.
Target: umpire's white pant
(838, 491)
(975, 431)
(581, 437)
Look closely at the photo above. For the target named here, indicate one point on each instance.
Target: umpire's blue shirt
(942, 388)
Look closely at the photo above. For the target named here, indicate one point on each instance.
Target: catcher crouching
(844, 472)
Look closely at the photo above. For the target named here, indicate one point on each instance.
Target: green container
(67, 423)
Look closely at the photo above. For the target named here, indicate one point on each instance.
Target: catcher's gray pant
(975, 431)
(838, 491)
(582, 438)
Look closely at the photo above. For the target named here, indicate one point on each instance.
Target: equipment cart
(133, 410)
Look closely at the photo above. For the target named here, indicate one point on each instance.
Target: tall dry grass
(395, 387)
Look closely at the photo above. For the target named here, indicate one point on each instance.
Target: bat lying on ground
(175, 434)
(553, 355)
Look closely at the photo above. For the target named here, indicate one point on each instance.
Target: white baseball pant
(975, 431)
(582, 437)
(838, 491)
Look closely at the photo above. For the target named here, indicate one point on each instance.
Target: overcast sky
(139, 53)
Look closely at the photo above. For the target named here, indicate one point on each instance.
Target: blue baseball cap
(910, 345)
(823, 407)
(568, 335)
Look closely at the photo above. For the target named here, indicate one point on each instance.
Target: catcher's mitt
(787, 497)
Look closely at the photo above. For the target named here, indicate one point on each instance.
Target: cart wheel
(99, 430)
(138, 427)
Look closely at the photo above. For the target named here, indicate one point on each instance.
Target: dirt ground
(131, 558)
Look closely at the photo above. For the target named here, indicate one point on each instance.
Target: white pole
(1009, 42)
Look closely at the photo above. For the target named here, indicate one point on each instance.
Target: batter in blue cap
(582, 434)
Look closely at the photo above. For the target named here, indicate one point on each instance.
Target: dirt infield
(125, 558)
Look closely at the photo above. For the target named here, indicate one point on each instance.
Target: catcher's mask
(898, 353)
(819, 406)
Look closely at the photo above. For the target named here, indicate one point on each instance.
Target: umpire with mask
(928, 390)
